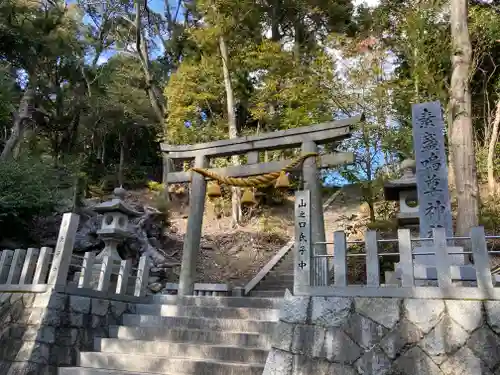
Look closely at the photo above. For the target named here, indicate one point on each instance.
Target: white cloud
(370, 3)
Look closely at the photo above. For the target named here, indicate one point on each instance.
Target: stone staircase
(342, 212)
(186, 335)
(277, 280)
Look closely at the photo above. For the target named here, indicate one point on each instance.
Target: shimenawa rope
(254, 181)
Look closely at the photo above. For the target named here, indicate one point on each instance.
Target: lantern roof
(408, 182)
(117, 204)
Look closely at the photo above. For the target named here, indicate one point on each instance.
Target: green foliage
(155, 186)
(383, 226)
(162, 205)
(481, 162)
(270, 224)
(27, 188)
(292, 63)
(490, 214)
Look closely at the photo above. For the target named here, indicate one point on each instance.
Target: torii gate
(308, 138)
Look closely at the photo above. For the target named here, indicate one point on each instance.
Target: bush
(489, 215)
(28, 188)
(155, 186)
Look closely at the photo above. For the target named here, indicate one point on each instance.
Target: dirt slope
(236, 255)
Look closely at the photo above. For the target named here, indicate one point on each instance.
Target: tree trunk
(23, 115)
(492, 185)
(299, 36)
(275, 24)
(121, 165)
(451, 172)
(233, 129)
(154, 94)
(462, 143)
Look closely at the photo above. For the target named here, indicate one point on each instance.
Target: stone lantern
(115, 224)
(114, 229)
(404, 190)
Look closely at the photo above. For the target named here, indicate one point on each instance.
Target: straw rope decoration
(260, 181)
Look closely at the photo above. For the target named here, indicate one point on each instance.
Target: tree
(462, 137)
(492, 146)
(30, 43)
(367, 86)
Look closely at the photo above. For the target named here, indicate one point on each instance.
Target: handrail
(282, 252)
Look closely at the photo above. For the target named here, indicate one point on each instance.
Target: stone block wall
(41, 331)
(385, 336)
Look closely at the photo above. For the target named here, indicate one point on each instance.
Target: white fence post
(481, 259)
(64, 248)
(142, 277)
(372, 263)
(340, 258)
(5, 262)
(42, 266)
(28, 270)
(105, 274)
(406, 258)
(86, 273)
(16, 266)
(440, 247)
(123, 277)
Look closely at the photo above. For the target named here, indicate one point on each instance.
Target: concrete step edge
(98, 371)
(192, 336)
(140, 332)
(171, 351)
(223, 325)
(115, 330)
(172, 318)
(134, 319)
(267, 292)
(258, 302)
(257, 314)
(175, 359)
(99, 341)
(253, 309)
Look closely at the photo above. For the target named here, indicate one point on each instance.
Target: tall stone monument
(431, 169)
(432, 179)
(434, 206)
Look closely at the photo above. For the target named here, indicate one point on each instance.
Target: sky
(158, 6)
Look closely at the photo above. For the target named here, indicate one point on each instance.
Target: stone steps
(187, 350)
(275, 276)
(276, 282)
(163, 365)
(208, 312)
(278, 279)
(97, 371)
(259, 303)
(276, 293)
(233, 325)
(176, 335)
(186, 336)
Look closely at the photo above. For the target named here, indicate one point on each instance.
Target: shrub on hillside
(28, 188)
(489, 215)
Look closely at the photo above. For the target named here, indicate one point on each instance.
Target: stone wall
(385, 336)
(41, 331)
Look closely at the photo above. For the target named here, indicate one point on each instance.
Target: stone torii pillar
(192, 238)
(310, 173)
